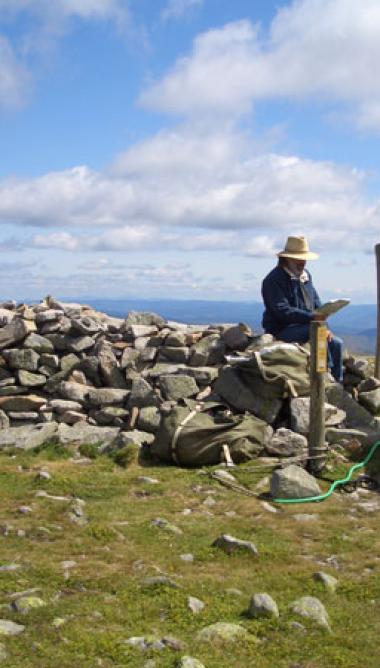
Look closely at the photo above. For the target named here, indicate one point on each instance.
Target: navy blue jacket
(285, 302)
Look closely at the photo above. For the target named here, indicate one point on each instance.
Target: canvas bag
(277, 371)
(193, 434)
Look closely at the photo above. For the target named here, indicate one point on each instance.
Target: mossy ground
(102, 600)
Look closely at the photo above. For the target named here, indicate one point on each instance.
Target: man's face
(295, 266)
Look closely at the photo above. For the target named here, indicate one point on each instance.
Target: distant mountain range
(356, 324)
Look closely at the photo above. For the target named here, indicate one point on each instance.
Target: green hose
(322, 497)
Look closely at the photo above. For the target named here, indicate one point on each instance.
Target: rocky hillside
(69, 373)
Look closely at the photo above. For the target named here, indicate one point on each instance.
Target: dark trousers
(300, 334)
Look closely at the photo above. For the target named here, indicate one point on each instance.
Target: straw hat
(298, 249)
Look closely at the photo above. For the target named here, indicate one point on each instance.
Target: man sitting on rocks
(291, 300)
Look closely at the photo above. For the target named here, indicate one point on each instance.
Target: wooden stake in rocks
(377, 361)
(318, 368)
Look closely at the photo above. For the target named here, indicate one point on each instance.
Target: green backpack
(277, 371)
(193, 434)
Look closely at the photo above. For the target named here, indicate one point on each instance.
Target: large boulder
(232, 389)
(15, 332)
(22, 358)
(293, 482)
(178, 386)
(356, 415)
(28, 437)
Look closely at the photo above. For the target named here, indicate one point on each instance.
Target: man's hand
(319, 317)
(329, 335)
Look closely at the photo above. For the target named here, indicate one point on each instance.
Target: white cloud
(190, 191)
(261, 246)
(14, 79)
(177, 8)
(45, 9)
(321, 49)
(39, 25)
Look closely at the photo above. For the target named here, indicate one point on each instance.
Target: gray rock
(137, 331)
(189, 662)
(8, 628)
(25, 416)
(29, 402)
(204, 375)
(174, 354)
(286, 443)
(136, 436)
(109, 414)
(161, 523)
(236, 338)
(293, 482)
(176, 340)
(69, 362)
(108, 366)
(142, 394)
(26, 603)
(141, 343)
(143, 318)
(178, 386)
(72, 417)
(74, 391)
(163, 368)
(83, 433)
(222, 632)
(359, 367)
(300, 415)
(312, 608)
(9, 568)
(106, 396)
(80, 344)
(22, 358)
(334, 435)
(29, 379)
(38, 343)
(48, 315)
(229, 544)
(371, 400)
(188, 558)
(15, 332)
(129, 357)
(368, 384)
(27, 438)
(63, 405)
(356, 415)
(86, 325)
(231, 388)
(148, 354)
(160, 581)
(209, 350)
(263, 605)
(12, 390)
(329, 582)
(195, 605)
(149, 419)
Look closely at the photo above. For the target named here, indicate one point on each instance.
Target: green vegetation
(95, 605)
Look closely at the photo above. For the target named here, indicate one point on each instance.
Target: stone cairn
(71, 374)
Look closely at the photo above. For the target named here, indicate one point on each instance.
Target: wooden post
(318, 368)
(377, 361)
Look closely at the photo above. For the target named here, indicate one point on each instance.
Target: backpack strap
(289, 389)
(173, 445)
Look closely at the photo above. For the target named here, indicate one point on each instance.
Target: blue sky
(167, 148)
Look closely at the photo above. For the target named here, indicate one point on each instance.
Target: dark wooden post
(318, 368)
(377, 361)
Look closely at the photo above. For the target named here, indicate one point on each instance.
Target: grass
(95, 606)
